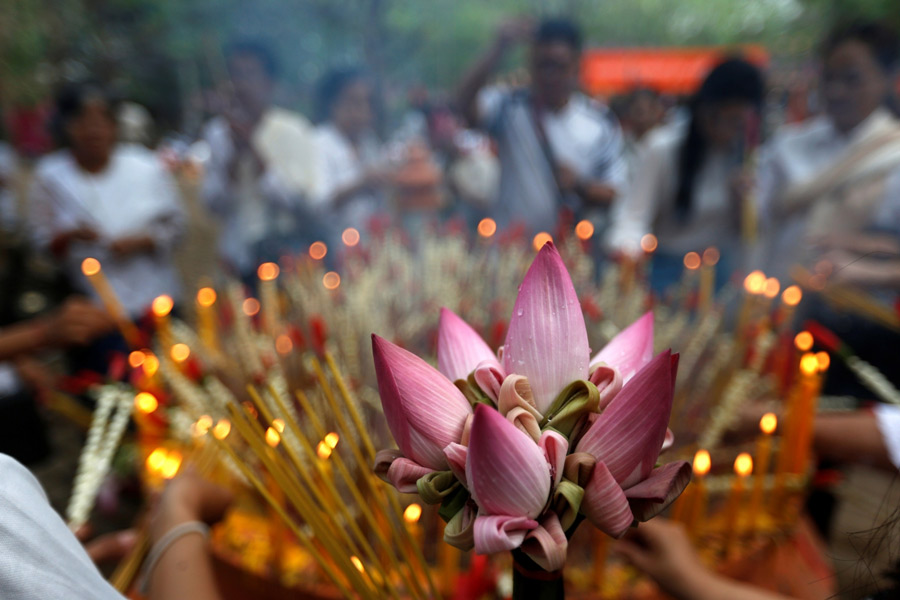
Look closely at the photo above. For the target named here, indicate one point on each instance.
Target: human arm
(663, 550)
(76, 323)
(476, 77)
(855, 437)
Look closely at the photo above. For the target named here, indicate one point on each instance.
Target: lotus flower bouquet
(521, 446)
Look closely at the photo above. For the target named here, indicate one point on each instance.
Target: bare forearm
(185, 571)
(475, 79)
(851, 438)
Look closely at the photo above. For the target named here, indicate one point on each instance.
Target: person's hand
(77, 323)
(514, 31)
(663, 550)
(186, 498)
(107, 548)
(126, 246)
(61, 241)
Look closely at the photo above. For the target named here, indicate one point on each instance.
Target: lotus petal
(628, 435)
(506, 471)
(555, 447)
(456, 457)
(608, 381)
(499, 533)
(651, 496)
(459, 347)
(424, 410)
(404, 473)
(546, 340)
(631, 349)
(547, 544)
(489, 377)
(604, 503)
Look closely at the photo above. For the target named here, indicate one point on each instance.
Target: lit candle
(790, 298)
(206, 317)
(743, 468)
(161, 307)
(708, 278)
(697, 513)
(95, 276)
(601, 552)
(811, 367)
(411, 516)
(692, 263)
(754, 284)
(448, 562)
(268, 293)
(767, 425)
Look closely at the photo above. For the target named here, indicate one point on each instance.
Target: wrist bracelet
(163, 544)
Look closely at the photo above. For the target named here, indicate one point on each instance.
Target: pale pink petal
(467, 430)
(668, 441)
(459, 348)
(404, 473)
(547, 544)
(500, 533)
(383, 460)
(516, 392)
(506, 471)
(604, 503)
(555, 447)
(631, 349)
(651, 496)
(630, 432)
(489, 377)
(424, 410)
(546, 340)
(524, 422)
(456, 457)
(578, 467)
(608, 381)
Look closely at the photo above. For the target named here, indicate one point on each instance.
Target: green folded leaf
(571, 407)
(472, 392)
(453, 503)
(436, 486)
(567, 502)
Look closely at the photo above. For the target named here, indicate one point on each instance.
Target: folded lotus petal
(516, 392)
(459, 348)
(424, 410)
(608, 381)
(506, 471)
(489, 377)
(525, 422)
(631, 349)
(404, 473)
(456, 456)
(604, 503)
(460, 529)
(630, 432)
(383, 460)
(467, 430)
(651, 496)
(578, 467)
(546, 340)
(499, 533)
(547, 544)
(555, 447)
(668, 440)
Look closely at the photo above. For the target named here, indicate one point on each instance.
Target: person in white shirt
(684, 190)
(350, 168)
(115, 203)
(261, 168)
(557, 147)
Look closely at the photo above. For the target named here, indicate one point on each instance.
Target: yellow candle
(811, 367)
(708, 278)
(161, 307)
(95, 276)
(753, 286)
(448, 562)
(206, 318)
(790, 298)
(268, 293)
(743, 468)
(411, 516)
(601, 552)
(767, 425)
(696, 515)
(692, 263)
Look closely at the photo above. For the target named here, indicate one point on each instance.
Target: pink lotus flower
(630, 350)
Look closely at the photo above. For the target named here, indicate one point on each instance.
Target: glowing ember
(809, 364)
(541, 239)
(136, 359)
(250, 307)
(283, 344)
(272, 436)
(323, 450)
(350, 237)
(791, 295)
(180, 352)
(206, 297)
(332, 439)
(487, 227)
(318, 250)
(768, 423)
(145, 402)
(584, 230)
(162, 305)
(222, 429)
(702, 463)
(711, 256)
(743, 464)
(649, 243)
(412, 513)
(90, 266)
(357, 563)
(692, 261)
(331, 280)
(268, 271)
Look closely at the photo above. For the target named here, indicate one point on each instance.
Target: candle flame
(90, 266)
(540, 240)
(768, 423)
(180, 352)
(268, 271)
(136, 359)
(156, 459)
(803, 341)
(162, 305)
(323, 450)
(222, 429)
(203, 425)
(771, 287)
(278, 424)
(250, 307)
(272, 437)
(206, 297)
(824, 360)
(332, 439)
(809, 364)
(171, 466)
(649, 243)
(792, 295)
(692, 261)
(151, 365)
(412, 513)
(145, 402)
(331, 280)
(711, 256)
(702, 463)
(350, 237)
(743, 464)
(487, 227)
(584, 230)
(755, 282)
(358, 564)
(283, 344)
(318, 250)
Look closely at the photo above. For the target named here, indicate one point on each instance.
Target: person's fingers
(112, 546)
(634, 554)
(84, 532)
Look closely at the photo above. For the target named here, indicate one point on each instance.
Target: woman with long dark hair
(684, 188)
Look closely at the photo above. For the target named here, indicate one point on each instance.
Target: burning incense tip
(203, 425)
